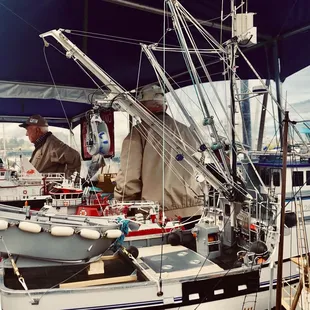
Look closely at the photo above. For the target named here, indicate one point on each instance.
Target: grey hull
(48, 246)
(43, 245)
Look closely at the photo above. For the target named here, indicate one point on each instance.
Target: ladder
(292, 295)
(250, 300)
(303, 251)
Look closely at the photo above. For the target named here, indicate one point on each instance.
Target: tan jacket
(142, 177)
(56, 156)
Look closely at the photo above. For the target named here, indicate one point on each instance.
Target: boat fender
(90, 234)
(290, 219)
(4, 224)
(174, 239)
(30, 227)
(133, 251)
(258, 247)
(62, 231)
(113, 233)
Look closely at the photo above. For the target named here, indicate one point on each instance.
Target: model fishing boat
(147, 224)
(39, 236)
(27, 186)
(236, 239)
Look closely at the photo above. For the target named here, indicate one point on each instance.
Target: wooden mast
(282, 220)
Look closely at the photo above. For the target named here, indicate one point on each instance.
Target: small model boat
(57, 238)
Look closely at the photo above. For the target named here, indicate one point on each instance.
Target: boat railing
(53, 176)
(12, 198)
(289, 292)
(66, 202)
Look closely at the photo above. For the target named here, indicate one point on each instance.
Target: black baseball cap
(36, 120)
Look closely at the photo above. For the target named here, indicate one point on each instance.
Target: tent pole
(263, 119)
(85, 26)
(278, 88)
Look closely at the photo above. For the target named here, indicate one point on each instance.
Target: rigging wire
(119, 39)
(287, 17)
(131, 132)
(58, 94)
(19, 17)
(87, 73)
(160, 293)
(216, 93)
(70, 277)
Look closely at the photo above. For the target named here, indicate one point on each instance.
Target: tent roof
(283, 27)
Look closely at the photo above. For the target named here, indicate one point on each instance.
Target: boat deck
(167, 262)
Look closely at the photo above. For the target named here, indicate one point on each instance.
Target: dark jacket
(55, 156)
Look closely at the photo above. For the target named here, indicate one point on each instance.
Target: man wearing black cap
(50, 154)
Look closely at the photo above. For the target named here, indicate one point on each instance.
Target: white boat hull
(127, 296)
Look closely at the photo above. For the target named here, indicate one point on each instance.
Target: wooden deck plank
(114, 280)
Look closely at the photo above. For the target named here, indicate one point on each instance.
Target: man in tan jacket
(50, 154)
(141, 172)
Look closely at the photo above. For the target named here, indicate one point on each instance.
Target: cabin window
(276, 178)
(227, 210)
(298, 178)
(308, 177)
(265, 176)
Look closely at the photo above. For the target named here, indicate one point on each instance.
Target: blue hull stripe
(302, 198)
(128, 305)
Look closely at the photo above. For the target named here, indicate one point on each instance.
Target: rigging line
(169, 131)
(192, 70)
(58, 94)
(93, 80)
(85, 71)
(18, 16)
(181, 9)
(275, 121)
(287, 17)
(205, 70)
(162, 85)
(163, 37)
(173, 168)
(192, 79)
(220, 278)
(99, 87)
(127, 161)
(57, 49)
(70, 277)
(155, 143)
(222, 124)
(193, 167)
(236, 184)
(163, 160)
(271, 113)
(215, 285)
(107, 37)
(222, 14)
(257, 76)
(292, 107)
